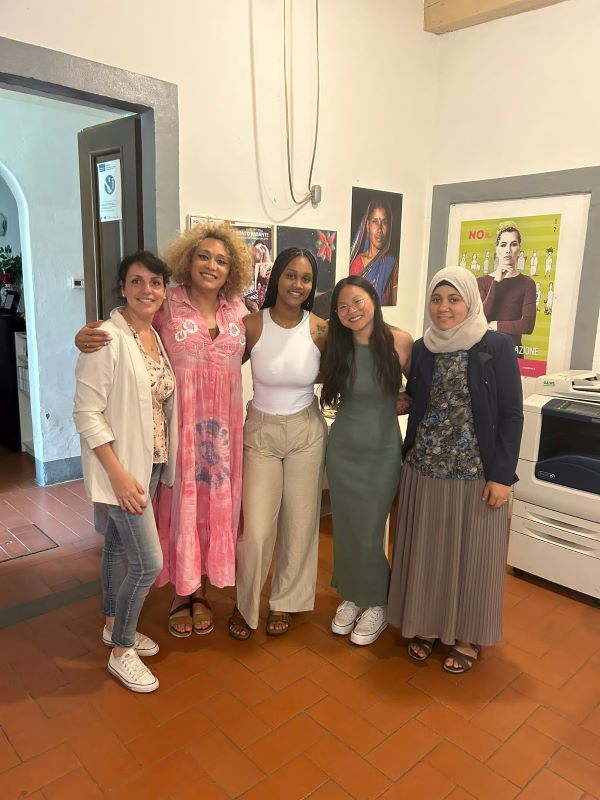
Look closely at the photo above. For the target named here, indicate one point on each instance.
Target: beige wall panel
(442, 16)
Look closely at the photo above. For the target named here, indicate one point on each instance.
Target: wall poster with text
(259, 239)
(527, 267)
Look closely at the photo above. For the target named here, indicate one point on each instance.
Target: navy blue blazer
(496, 398)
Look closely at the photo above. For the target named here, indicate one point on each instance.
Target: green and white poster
(515, 262)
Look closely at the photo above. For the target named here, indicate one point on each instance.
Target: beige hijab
(471, 329)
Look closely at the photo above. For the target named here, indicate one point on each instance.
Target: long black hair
(281, 262)
(337, 365)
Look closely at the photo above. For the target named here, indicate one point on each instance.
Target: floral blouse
(445, 443)
(162, 386)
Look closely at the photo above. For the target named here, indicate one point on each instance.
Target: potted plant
(11, 274)
(11, 267)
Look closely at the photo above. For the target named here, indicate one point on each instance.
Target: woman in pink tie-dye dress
(201, 327)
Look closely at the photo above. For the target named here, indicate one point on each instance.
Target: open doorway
(54, 302)
(40, 169)
(15, 407)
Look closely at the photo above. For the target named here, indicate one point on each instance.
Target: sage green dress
(363, 469)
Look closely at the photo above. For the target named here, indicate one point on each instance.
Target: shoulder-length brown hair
(180, 251)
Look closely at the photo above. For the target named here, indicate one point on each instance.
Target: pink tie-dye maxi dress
(198, 516)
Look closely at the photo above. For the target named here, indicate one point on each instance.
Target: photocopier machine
(555, 523)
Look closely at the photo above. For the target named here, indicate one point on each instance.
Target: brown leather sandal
(200, 615)
(180, 619)
(424, 645)
(464, 660)
(278, 617)
(236, 620)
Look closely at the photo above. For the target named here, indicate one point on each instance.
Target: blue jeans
(131, 562)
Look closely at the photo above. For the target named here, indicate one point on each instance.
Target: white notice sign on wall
(109, 190)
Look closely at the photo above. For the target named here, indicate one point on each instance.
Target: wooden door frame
(63, 76)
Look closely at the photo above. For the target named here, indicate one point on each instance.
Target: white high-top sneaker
(132, 672)
(369, 625)
(345, 617)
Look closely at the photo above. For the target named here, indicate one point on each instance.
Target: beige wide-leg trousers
(283, 474)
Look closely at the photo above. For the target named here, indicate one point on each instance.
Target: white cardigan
(113, 403)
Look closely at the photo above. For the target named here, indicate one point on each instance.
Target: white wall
(8, 207)
(38, 145)
(518, 96)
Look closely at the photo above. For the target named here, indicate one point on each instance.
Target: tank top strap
(305, 326)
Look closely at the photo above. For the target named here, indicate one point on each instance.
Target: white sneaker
(345, 616)
(369, 625)
(143, 645)
(132, 672)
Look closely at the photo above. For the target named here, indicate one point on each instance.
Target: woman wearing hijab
(460, 454)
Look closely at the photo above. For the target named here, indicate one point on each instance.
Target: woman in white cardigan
(126, 417)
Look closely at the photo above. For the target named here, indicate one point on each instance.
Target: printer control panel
(563, 407)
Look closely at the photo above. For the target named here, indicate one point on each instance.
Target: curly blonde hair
(180, 252)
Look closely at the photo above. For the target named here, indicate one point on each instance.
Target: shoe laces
(372, 614)
(347, 609)
(131, 663)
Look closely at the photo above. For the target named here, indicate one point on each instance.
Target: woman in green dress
(362, 376)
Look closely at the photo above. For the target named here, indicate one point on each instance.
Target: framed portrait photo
(529, 254)
(549, 282)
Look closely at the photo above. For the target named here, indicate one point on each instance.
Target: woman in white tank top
(284, 450)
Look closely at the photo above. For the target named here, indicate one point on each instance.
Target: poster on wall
(194, 219)
(322, 243)
(259, 239)
(375, 240)
(527, 257)
(515, 263)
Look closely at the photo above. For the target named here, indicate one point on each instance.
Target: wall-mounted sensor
(77, 283)
(315, 195)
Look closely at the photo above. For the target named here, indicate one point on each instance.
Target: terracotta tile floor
(305, 715)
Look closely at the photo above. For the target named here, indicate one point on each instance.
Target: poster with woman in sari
(375, 244)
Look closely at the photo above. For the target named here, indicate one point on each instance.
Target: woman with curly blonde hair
(200, 324)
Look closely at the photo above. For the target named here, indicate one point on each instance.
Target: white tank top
(285, 363)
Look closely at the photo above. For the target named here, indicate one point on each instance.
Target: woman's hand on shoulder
(495, 495)
(318, 330)
(403, 344)
(91, 338)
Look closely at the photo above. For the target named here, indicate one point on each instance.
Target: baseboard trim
(48, 473)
